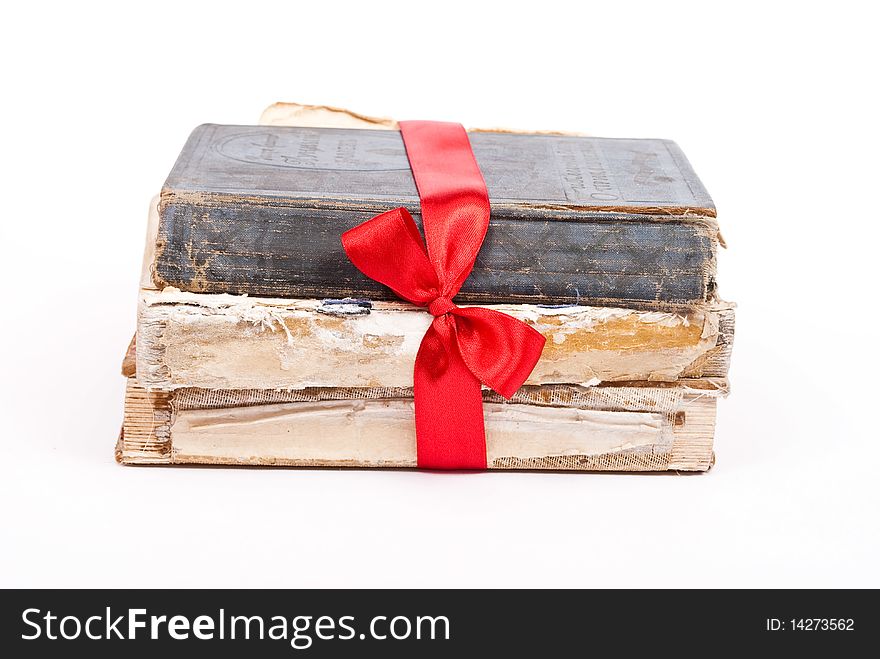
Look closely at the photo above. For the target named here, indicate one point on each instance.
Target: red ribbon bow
(463, 346)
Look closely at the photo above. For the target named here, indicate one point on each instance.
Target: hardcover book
(259, 210)
(634, 427)
(223, 341)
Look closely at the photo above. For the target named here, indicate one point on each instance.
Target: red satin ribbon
(463, 346)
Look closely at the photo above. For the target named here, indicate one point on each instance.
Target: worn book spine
(259, 211)
(237, 342)
(615, 428)
(217, 244)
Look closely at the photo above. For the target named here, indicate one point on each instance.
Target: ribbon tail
(500, 350)
(448, 403)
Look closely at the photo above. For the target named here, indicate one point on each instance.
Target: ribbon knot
(441, 305)
(464, 348)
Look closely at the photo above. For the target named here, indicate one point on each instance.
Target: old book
(327, 116)
(632, 427)
(320, 116)
(259, 210)
(237, 342)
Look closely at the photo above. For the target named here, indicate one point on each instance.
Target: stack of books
(259, 343)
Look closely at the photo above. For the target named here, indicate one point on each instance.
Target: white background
(774, 104)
